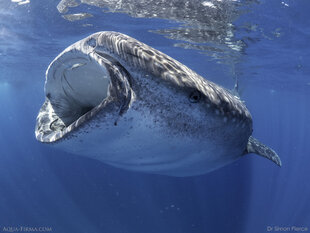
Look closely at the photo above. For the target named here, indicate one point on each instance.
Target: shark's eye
(195, 96)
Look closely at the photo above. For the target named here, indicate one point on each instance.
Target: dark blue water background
(40, 186)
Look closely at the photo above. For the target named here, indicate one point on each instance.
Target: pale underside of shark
(115, 99)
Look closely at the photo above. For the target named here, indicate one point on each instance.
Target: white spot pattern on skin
(191, 76)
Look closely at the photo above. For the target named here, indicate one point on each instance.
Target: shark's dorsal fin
(256, 147)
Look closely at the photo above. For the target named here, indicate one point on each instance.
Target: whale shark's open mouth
(76, 86)
(80, 82)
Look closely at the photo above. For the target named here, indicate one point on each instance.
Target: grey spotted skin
(255, 146)
(115, 99)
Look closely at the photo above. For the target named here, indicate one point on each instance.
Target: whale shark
(115, 99)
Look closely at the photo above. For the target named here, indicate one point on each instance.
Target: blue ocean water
(263, 44)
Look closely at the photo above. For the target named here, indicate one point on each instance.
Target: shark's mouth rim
(50, 127)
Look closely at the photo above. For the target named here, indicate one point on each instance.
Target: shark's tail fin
(256, 147)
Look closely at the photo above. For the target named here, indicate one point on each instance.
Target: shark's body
(115, 99)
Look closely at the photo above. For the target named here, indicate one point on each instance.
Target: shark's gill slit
(81, 84)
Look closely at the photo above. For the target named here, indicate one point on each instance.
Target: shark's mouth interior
(77, 86)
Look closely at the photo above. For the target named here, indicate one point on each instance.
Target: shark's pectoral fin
(256, 147)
